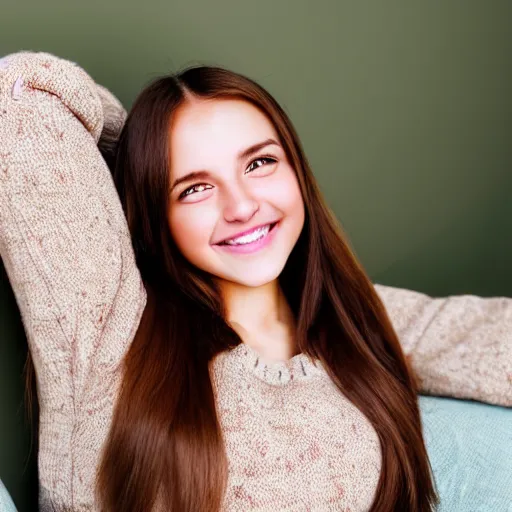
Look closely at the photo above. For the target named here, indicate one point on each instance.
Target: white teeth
(250, 237)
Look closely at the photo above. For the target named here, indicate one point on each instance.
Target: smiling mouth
(249, 238)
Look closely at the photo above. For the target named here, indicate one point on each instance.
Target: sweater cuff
(91, 103)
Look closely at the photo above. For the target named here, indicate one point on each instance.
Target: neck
(262, 318)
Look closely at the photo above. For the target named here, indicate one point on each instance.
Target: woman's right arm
(67, 251)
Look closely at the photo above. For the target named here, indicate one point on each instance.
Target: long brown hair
(165, 444)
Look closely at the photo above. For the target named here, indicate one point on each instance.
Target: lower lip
(253, 246)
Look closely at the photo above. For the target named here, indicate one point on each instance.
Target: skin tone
(242, 180)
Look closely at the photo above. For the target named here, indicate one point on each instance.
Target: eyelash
(187, 192)
(272, 160)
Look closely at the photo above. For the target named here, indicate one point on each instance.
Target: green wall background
(404, 109)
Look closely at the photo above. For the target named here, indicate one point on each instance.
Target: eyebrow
(246, 153)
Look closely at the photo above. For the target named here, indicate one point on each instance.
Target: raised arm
(459, 346)
(66, 248)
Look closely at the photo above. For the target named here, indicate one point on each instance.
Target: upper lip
(246, 232)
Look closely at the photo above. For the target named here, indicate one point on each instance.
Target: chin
(254, 278)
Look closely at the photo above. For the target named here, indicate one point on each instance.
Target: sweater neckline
(300, 367)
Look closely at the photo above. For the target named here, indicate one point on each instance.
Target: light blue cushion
(470, 449)
(6, 504)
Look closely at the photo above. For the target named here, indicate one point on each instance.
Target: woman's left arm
(459, 346)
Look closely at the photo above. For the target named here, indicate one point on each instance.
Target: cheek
(191, 229)
(294, 200)
(284, 193)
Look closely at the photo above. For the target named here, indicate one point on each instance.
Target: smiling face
(236, 209)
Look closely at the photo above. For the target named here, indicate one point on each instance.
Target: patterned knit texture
(293, 441)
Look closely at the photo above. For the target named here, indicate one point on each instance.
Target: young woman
(202, 336)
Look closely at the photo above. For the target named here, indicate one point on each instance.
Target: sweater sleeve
(65, 244)
(459, 346)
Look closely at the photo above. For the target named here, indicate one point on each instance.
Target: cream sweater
(293, 441)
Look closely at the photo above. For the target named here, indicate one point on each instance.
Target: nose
(239, 205)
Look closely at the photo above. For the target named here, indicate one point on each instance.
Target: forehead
(206, 132)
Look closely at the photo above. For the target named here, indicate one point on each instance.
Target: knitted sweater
(293, 441)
